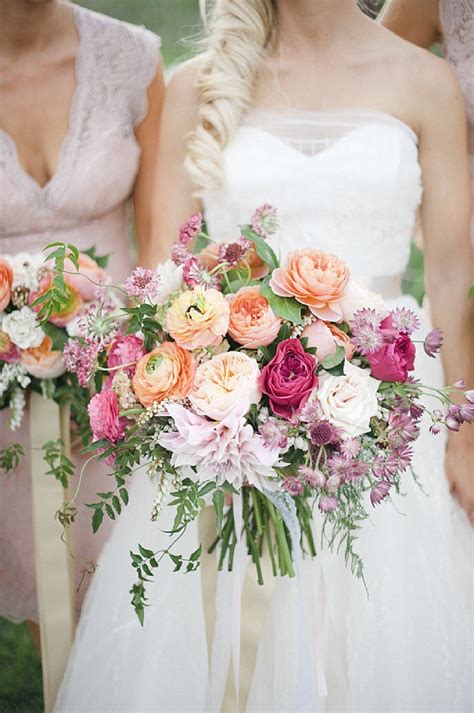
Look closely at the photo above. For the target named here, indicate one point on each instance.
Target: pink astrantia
(142, 284)
(433, 342)
(312, 476)
(196, 275)
(223, 451)
(350, 448)
(379, 492)
(264, 221)
(233, 253)
(274, 434)
(293, 486)
(404, 320)
(179, 254)
(328, 503)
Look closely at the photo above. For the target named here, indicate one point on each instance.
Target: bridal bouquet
(281, 393)
(33, 334)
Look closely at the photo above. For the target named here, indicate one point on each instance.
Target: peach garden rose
(6, 281)
(316, 279)
(198, 318)
(326, 337)
(167, 372)
(225, 382)
(43, 362)
(252, 321)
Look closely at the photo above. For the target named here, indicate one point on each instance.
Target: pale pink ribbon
(237, 596)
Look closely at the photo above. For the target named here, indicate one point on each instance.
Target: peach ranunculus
(90, 273)
(316, 279)
(69, 310)
(252, 321)
(209, 257)
(326, 337)
(43, 362)
(198, 318)
(167, 372)
(6, 281)
(225, 382)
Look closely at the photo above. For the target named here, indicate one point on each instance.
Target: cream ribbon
(53, 562)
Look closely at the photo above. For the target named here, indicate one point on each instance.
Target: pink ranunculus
(326, 337)
(104, 417)
(289, 378)
(126, 351)
(9, 352)
(396, 358)
(90, 273)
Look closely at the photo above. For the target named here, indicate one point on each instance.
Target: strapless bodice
(348, 183)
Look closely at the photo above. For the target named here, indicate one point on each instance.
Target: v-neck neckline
(72, 121)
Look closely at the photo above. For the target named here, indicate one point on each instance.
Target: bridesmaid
(422, 23)
(80, 103)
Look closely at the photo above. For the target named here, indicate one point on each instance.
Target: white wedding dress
(349, 183)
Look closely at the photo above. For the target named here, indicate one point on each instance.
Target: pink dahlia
(224, 451)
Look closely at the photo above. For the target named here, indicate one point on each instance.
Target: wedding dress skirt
(349, 184)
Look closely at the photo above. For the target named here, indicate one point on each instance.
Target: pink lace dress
(457, 21)
(84, 203)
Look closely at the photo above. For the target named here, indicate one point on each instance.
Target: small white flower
(25, 268)
(23, 328)
(349, 401)
(171, 280)
(17, 409)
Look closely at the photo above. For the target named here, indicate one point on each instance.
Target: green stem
(226, 533)
(283, 547)
(256, 510)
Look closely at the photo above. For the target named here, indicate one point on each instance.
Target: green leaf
(123, 492)
(97, 518)
(332, 360)
(145, 553)
(196, 554)
(207, 488)
(116, 504)
(218, 500)
(263, 249)
(470, 293)
(110, 511)
(58, 336)
(200, 243)
(101, 260)
(285, 307)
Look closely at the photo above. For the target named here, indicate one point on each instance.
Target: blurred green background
(174, 21)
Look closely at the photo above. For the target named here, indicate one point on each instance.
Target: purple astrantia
(195, 274)
(328, 503)
(264, 221)
(401, 428)
(433, 342)
(367, 335)
(404, 320)
(379, 492)
(350, 448)
(274, 434)
(293, 486)
(98, 324)
(190, 228)
(312, 476)
(142, 284)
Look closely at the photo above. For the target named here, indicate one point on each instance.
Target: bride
(349, 131)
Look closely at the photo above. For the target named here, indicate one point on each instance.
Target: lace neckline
(74, 115)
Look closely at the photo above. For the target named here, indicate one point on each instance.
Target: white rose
(349, 401)
(357, 296)
(25, 269)
(171, 280)
(23, 328)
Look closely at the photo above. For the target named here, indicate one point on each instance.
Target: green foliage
(264, 251)
(101, 260)
(285, 307)
(334, 363)
(143, 319)
(10, 457)
(56, 296)
(60, 466)
(413, 279)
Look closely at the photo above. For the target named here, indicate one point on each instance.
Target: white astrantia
(357, 296)
(171, 280)
(349, 401)
(23, 328)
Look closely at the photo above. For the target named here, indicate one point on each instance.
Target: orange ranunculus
(316, 279)
(198, 318)
(43, 362)
(165, 373)
(6, 281)
(252, 321)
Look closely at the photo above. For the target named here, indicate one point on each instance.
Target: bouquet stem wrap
(48, 422)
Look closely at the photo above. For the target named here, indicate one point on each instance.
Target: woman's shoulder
(109, 33)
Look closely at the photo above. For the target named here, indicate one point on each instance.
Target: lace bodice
(457, 20)
(84, 201)
(348, 183)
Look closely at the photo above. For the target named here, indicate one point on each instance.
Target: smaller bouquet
(33, 336)
(282, 394)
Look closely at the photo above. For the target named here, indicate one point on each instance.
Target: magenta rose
(126, 351)
(289, 378)
(396, 358)
(104, 417)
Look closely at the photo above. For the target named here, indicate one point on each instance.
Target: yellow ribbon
(53, 563)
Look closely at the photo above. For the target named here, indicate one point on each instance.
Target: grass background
(20, 669)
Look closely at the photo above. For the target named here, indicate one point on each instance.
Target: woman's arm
(147, 134)
(448, 255)
(173, 191)
(415, 20)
